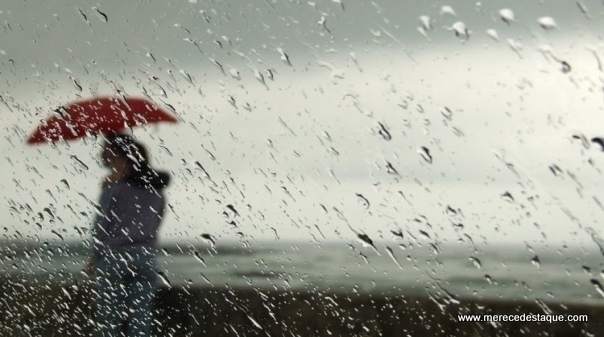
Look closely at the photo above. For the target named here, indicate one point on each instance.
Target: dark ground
(51, 309)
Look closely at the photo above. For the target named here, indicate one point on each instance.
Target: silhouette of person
(131, 208)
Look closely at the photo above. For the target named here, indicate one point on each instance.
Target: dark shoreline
(46, 309)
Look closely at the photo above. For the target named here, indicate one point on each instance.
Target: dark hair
(136, 154)
(126, 147)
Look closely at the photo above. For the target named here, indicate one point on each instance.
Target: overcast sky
(280, 149)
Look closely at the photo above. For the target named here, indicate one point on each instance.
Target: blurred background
(447, 149)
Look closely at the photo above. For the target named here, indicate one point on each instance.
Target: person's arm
(90, 267)
(102, 223)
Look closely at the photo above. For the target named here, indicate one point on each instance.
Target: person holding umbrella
(130, 209)
(125, 238)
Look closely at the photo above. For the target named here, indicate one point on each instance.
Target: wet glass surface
(367, 168)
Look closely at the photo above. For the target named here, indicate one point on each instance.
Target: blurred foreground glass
(341, 167)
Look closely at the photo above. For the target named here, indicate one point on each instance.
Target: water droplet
(186, 75)
(596, 238)
(101, 14)
(598, 286)
(422, 31)
(49, 212)
(535, 261)
(270, 73)
(363, 200)
(232, 209)
(507, 196)
(209, 239)
(76, 83)
(390, 169)
(515, 45)
(488, 278)
(425, 154)
(507, 15)
(235, 73)
(398, 233)
(366, 241)
(476, 262)
(425, 22)
(565, 67)
(259, 76)
(447, 10)
(164, 279)
(599, 141)
(547, 23)
(425, 234)
(83, 15)
(555, 170)
(391, 254)
(451, 212)
(256, 324)
(339, 2)
(457, 132)
(493, 34)
(199, 258)
(384, 132)
(203, 170)
(81, 163)
(284, 56)
(448, 114)
(323, 23)
(218, 64)
(457, 225)
(64, 181)
(460, 30)
(583, 9)
(57, 234)
(583, 140)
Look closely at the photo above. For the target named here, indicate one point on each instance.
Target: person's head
(123, 153)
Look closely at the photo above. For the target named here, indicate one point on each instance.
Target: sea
(447, 271)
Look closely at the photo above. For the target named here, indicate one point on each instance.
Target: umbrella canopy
(99, 115)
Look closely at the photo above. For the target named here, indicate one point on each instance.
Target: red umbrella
(99, 115)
